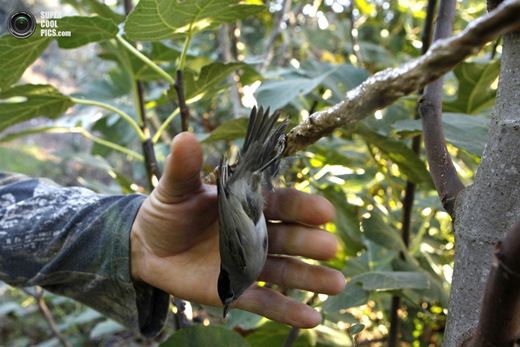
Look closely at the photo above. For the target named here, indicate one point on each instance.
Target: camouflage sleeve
(76, 243)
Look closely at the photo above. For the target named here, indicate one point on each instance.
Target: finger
(182, 172)
(294, 239)
(291, 205)
(294, 273)
(273, 305)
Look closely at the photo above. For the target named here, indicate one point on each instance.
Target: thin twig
(47, 314)
(499, 323)
(277, 29)
(443, 172)
(385, 87)
(185, 111)
(494, 48)
(291, 337)
(226, 56)
(295, 332)
(409, 193)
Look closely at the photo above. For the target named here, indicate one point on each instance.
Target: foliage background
(324, 49)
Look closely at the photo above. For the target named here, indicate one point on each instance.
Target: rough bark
(488, 209)
(499, 323)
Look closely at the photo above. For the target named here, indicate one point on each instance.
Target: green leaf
(87, 316)
(160, 54)
(208, 81)
(85, 30)
(399, 153)
(197, 336)
(96, 7)
(275, 334)
(392, 280)
(12, 63)
(230, 130)
(242, 319)
(436, 292)
(474, 93)
(356, 329)
(380, 231)
(153, 20)
(352, 296)
(8, 307)
(278, 93)
(24, 102)
(108, 326)
(463, 131)
(347, 221)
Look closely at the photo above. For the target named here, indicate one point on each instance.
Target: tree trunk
(489, 208)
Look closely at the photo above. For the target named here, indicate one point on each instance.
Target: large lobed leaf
(474, 93)
(208, 82)
(17, 54)
(85, 30)
(381, 232)
(463, 131)
(392, 280)
(96, 7)
(409, 163)
(230, 130)
(339, 78)
(153, 20)
(24, 102)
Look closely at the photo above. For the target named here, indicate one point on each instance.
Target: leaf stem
(145, 59)
(108, 107)
(182, 58)
(165, 125)
(75, 130)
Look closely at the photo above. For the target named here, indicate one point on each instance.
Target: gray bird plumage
(243, 228)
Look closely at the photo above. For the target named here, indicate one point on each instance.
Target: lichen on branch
(386, 86)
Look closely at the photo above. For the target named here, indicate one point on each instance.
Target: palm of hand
(176, 242)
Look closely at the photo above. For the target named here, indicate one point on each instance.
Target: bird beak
(226, 309)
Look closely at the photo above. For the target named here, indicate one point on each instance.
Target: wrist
(137, 254)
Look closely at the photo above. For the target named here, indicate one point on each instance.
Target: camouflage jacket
(74, 242)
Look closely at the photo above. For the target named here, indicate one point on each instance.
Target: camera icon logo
(21, 24)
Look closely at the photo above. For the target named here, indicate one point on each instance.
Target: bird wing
(229, 233)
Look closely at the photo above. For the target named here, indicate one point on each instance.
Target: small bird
(243, 228)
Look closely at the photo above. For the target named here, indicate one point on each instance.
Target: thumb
(182, 170)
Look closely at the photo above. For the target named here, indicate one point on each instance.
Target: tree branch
(385, 87)
(499, 323)
(185, 111)
(150, 160)
(153, 171)
(442, 170)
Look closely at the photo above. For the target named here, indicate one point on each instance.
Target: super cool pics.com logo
(23, 24)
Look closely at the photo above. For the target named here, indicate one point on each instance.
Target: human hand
(174, 242)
